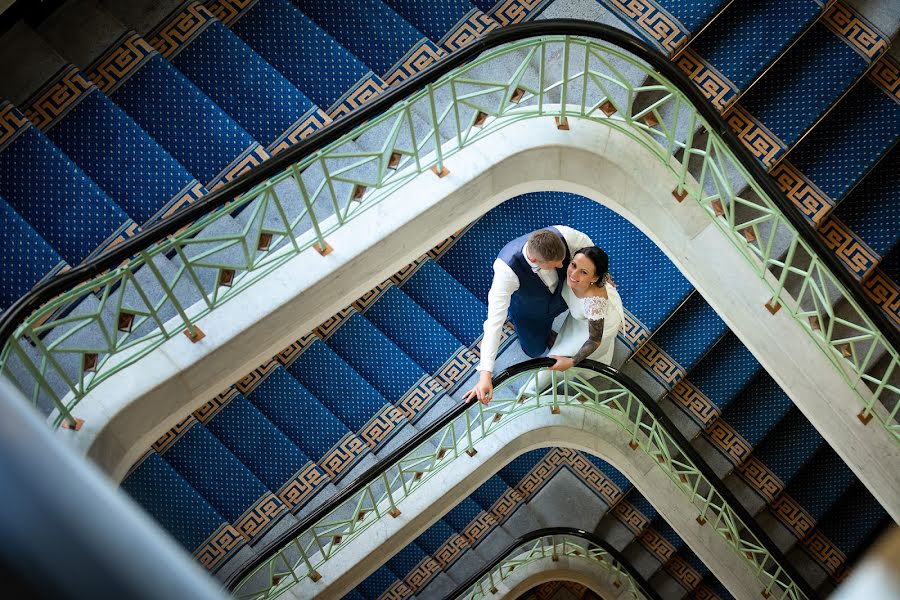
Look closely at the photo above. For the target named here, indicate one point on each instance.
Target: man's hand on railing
(483, 390)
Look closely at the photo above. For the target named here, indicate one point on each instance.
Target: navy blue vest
(533, 300)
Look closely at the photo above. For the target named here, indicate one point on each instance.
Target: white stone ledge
(125, 414)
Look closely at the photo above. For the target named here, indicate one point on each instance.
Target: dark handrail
(550, 531)
(373, 472)
(31, 301)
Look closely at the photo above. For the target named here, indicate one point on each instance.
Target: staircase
(426, 320)
(146, 107)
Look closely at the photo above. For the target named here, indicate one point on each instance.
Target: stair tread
(801, 86)
(867, 209)
(55, 196)
(762, 404)
(242, 83)
(435, 536)
(171, 500)
(462, 514)
(415, 331)
(729, 356)
(337, 385)
(748, 36)
(375, 357)
(301, 50)
(372, 587)
(257, 443)
(216, 473)
(519, 467)
(849, 534)
(488, 492)
(182, 119)
(820, 482)
(844, 145)
(434, 18)
(298, 414)
(28, 258)
(686, 341)
(788, 445)
(367, 20)
(447, 301)
(138, 174)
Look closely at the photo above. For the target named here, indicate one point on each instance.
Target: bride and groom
(537, 277)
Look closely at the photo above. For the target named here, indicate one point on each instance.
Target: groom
(528, 277)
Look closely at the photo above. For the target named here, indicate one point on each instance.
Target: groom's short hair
(546, 246)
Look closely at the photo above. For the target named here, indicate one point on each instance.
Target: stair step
(868, 207)
(705, 392)
(376, 583)
(178, 115)
(28, 258)
(816, 487)
(677, 346)
(171, 500)
(846, 143)
(347, 395)
(295, 45)
(801, 87)
(355, 26)
(53, 195)
(447, 301)
(788, 446)
(374, 356)
(309, 424)
(235, 77)
(266, 451)
(224, 481)
(687, 17)
(437, 19)
(139, 175)
(762, 31)
(415, 331)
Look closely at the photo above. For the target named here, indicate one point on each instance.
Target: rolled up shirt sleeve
(504, 284)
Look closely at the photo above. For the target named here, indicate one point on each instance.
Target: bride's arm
(595, 335)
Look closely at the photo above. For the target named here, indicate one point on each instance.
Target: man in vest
(528, 277)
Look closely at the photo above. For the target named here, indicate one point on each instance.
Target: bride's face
(581, 273)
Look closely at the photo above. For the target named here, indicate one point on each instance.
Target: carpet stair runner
(511, 503)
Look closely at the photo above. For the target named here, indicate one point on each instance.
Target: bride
(594, 318)
(595, 312)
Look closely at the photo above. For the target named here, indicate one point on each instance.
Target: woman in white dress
(595, 313)
(595, 316)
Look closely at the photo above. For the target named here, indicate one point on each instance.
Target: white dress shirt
(505, 283)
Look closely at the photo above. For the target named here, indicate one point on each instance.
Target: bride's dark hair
(600, 259)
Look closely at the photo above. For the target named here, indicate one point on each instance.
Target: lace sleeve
(595, 307)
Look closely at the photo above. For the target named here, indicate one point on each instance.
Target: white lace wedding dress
(574, 332)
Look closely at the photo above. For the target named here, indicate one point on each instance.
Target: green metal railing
(553, 543)
(66, 338)
(596, 389)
